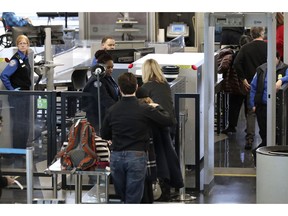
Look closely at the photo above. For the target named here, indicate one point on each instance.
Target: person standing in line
(258, 96)
(127, 124)
(16, 76)
(107, 43)
(251, 56)
(109, 91)
(158, 88)
(168, 165)
(231, 83)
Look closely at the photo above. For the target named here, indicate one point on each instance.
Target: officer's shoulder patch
(12, 62)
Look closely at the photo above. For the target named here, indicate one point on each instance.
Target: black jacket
(261, 74)
(250, 56)
(161, 93)
(128, 122)
(109, 95)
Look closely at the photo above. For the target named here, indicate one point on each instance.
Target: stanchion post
(182, 152)
(182, 192)
(29, 176)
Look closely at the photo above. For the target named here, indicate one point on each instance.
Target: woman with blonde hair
(152, 72)
(168, 167)
(16, 76)
(157, 86)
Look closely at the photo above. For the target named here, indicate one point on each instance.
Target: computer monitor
(32, 32)
(37, 35)
(57, 34)
(178, 28)
(122, 55)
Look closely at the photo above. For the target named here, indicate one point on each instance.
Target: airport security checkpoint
(186, 45)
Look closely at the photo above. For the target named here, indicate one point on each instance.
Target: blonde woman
(157, 86)
(168, 167)
(17, 76)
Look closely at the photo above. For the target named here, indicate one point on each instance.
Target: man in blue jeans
(127, 123)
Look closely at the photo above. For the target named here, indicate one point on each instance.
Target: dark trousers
(19, 115)
(261, 115)
(148, 192)
(235, 103)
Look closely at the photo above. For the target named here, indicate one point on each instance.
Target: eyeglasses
(22, 43)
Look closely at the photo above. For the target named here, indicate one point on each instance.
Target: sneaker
(229, 130)
(248, 145)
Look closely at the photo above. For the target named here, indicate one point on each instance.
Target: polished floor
(234, 182)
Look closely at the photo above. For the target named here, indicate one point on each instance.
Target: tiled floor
(235, 181)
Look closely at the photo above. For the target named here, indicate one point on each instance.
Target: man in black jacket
(127, 123)
(251, 56)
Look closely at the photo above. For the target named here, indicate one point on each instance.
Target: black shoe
(248, 145)
(229, 130)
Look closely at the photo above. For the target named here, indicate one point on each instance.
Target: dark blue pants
(128, 170)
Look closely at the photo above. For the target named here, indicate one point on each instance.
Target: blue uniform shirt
(264, 96)
(94, 62)
(9, 70)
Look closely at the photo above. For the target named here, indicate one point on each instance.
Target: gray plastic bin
(272, 175)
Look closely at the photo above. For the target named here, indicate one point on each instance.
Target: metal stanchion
(29, 176)
(182, 193)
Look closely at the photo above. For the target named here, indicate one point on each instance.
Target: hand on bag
(153, 104)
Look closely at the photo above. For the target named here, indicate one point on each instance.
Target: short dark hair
(102, 56)
(104, 39)
(256, 32)
(244, 39)
(127, 83)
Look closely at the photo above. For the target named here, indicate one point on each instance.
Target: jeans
(128, 170)
(261, 114)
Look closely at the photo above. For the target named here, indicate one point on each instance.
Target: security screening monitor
(176, 29)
